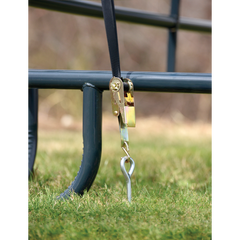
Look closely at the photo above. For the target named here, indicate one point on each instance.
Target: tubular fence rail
(92, 83)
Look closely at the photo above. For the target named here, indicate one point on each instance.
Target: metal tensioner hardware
(123, 108)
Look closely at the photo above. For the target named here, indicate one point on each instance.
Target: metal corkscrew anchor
(128, 175)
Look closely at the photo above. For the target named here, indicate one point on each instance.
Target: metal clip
(123, 101)
(127, 175)
(117, 96)
(129, 108)
(125, 148)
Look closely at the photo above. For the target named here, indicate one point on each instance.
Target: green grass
(171, 189)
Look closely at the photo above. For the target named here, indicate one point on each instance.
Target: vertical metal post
(92, 141)
(32, 127)
(172, 37)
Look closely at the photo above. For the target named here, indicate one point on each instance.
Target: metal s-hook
(127, 175)
(125, 148)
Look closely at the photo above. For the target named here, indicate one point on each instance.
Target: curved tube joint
(92, 141)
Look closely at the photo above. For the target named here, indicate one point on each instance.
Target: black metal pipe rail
(172, 37)
(143, 81)
(93, 9)
(32, 128)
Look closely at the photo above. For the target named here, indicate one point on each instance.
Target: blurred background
(65, 41)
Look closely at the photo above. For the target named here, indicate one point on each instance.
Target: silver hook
(126, 150)
(126, 174)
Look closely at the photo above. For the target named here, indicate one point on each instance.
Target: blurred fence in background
(65, 41)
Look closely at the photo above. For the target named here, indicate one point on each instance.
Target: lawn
(171, 185)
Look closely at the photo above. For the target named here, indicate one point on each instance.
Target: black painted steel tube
(143, 81)
(32, 128)
(172, 37)
(92, 141)
(93, 9)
